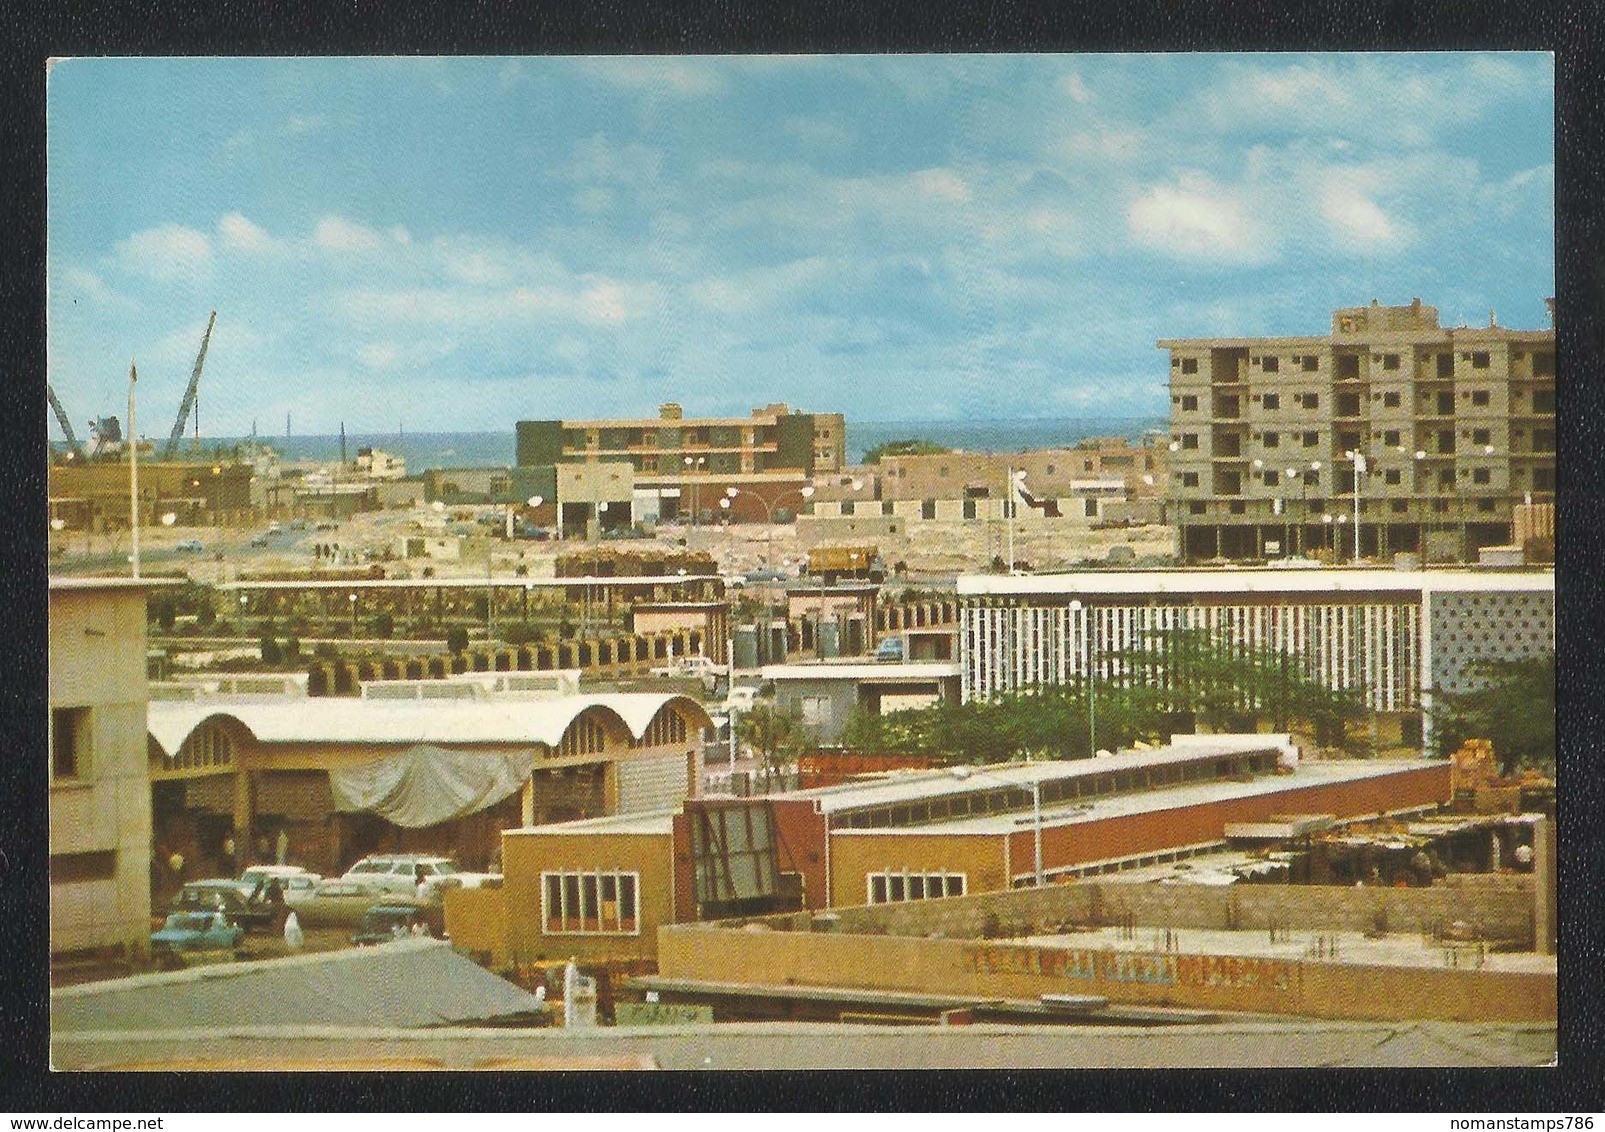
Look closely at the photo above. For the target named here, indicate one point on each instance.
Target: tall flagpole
(133, 466)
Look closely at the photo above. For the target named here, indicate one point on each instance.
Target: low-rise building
(100, 824)
(827, 694)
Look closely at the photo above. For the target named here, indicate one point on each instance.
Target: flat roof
(903, 786)
(1158, 799)
(885, 672)
(466, 583)
(659, 822)
(65, 583)
(1268, 579)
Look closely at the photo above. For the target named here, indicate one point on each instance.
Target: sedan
(195, 933)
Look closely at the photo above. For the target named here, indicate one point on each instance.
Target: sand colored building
(1456, 426)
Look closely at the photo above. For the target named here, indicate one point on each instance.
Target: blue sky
(454, 244)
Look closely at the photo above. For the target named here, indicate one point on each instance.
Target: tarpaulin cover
(427, 785)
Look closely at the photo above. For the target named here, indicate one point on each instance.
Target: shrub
(383, 626)
(457, 639)
(271, 653)
(292, 648)
(165, 613)
(326, 650)
(205, 616)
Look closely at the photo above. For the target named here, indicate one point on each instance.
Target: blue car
(193, 933)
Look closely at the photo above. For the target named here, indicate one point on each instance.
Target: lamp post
(1092, 684)
(1360, 467)
(693, 466)
(1327, 541)
(351, 599)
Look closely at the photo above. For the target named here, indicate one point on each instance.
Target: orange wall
(525, 856)
(855, 853)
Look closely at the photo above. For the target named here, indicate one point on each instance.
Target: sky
(456, 244)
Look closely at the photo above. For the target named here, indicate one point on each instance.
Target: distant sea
(424, 450)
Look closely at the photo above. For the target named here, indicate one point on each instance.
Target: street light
(692, 466)
(1327, 519)
(351, 598)
(1358, 459)
(1090, 637)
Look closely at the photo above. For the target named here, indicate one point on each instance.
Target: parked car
(385, 922)
(189, 545)
(193, 932)
(233, 898)
(399, 872)
(434, 889)
(890, 649)
(337, 903)
(690, 666)
(260, 540)
(295, 882)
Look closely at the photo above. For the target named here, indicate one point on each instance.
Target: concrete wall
(97, 661)
(1004, 970)
(1503, 911)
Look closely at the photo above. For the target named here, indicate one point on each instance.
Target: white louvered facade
(1347, 628)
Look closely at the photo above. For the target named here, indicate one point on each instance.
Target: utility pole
(133, 467)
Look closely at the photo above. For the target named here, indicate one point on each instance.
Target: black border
(33, 33)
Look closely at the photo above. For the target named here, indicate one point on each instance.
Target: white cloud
(337, 234)
(1196, 219)
(167, 254)
(658, 74)
(1075, 89)
(237, 233)
(1355, 219)
(942, 185)
(378, 355)
(79, 282)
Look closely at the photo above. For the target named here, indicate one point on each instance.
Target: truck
(831, 563)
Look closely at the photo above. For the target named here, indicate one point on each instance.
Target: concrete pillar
(526, 802)
(244, 813)
(1544, 887)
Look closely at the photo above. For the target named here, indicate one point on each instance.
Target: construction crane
(74, 449)
(171, 451)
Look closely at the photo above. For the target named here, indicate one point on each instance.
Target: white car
(434, 889)
(296, 883)
(690, 666)
(399, 872)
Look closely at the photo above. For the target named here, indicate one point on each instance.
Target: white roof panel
(1269, 580)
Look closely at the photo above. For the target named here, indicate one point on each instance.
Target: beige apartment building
(1456, 427)
(100, 808)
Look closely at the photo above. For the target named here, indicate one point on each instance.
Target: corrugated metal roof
(660, 822)
(445, 722)
(408, 984)
(913, 786)
(1271, 580)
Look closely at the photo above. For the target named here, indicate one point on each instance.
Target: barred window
(896, 887)
(590, 903)
(584, 736)
(667, 727)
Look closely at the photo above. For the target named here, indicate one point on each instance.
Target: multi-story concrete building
(1456, 427)
(100, 827)
(1397, 636)
(684, 465)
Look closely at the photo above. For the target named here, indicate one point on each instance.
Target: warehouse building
(443, 772)
(1398, 636)
(602, 887)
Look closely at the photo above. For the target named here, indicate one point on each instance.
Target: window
(70, 742)
(1543, 479)
(1090, 508)
(887, 508)
(1479, 359)
(816, 710)
(1272, 401)
(1481, 476)
(1391, 477)
(1348, 404)
(1446, 365)
(75, 868)
(1270, 365)
(1312, 439)
(1481, 436)
(927, 508)
(1195, 508)
(1543, 440)
(1189, 440)
(848, 507)
(1485, 504)
(1390, 400)
(1310, 401)
(1272, 478)
(969, 508)
(1390, 361)
(1189, 365)
(1391, 438)
(1189, 479)
(1310, 363)
(1189, 403)
(1399, 506)
(1348, 441)
(1446, 404)
(1348, 366)
(590, 903)
(1446, 479)
(1543, 365)
(1272, 440)
(1446, 441)
(1479, 398)
(1543, 400)
(897, 887)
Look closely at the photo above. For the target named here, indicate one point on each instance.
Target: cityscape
(803, 563)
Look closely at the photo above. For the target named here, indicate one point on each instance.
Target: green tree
(457, 640)
(383, 625)
(165, 614)
(292, 648)
(272, 654)
(1512, 706)
(776, 735)
(911, 447)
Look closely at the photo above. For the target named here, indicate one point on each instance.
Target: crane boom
(171, 451)
(66, 425)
